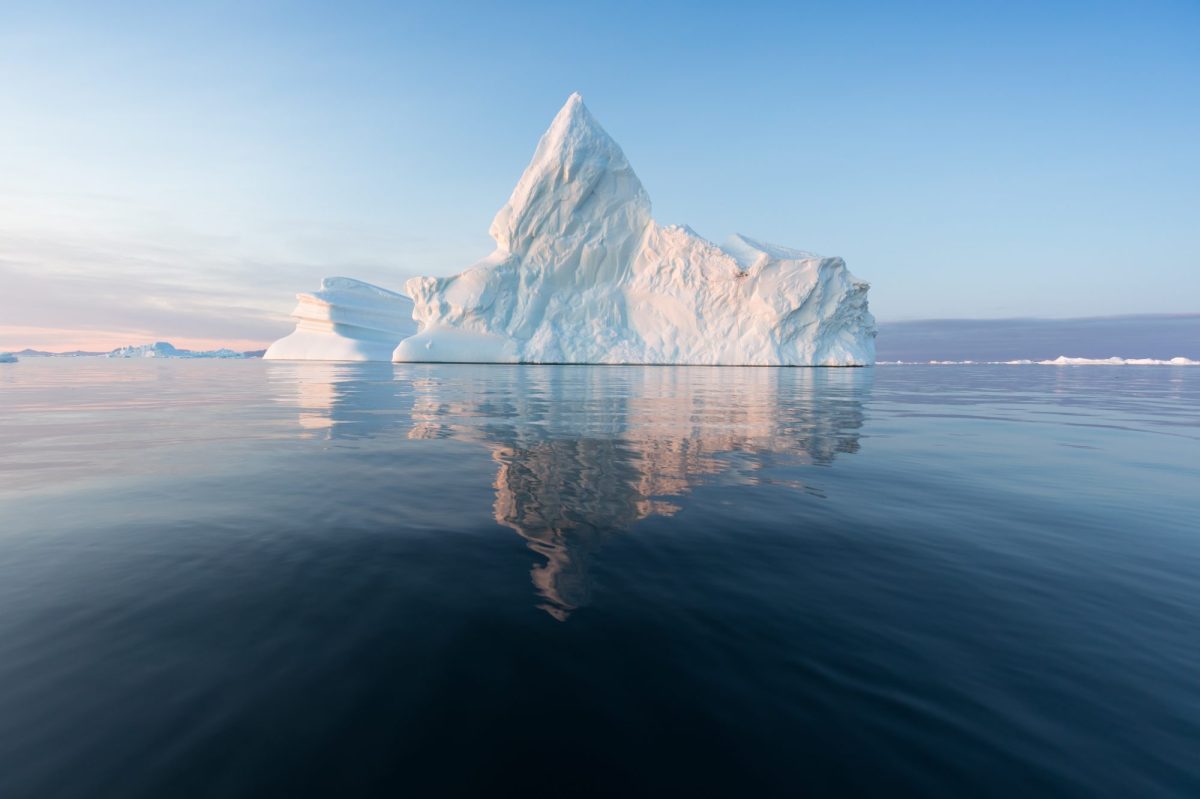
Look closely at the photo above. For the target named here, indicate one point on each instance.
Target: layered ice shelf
(581, 273)
(346, 320)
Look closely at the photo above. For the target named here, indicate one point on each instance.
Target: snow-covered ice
(582, 274)
(346, 320)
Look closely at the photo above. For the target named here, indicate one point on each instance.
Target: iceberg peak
(578, 186)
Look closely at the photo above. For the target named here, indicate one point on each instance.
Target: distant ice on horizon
(1061, 360)
(164, 349)
(1156, 337)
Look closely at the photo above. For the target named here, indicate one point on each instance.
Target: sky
(178, 171)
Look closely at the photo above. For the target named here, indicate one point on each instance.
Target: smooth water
(251, 578)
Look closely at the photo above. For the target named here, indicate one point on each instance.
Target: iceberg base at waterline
(697, 306)
(346, 320)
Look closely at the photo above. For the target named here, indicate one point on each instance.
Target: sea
(258, 579)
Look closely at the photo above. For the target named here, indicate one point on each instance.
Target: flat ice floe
(581, 273)
(346, 320)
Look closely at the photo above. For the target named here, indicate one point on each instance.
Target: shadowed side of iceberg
(346, 320)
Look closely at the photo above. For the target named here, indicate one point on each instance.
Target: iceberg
(583, 274)
(165, 349)
(7, 357)
(346, 320)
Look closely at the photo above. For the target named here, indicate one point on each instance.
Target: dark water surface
(257, 579)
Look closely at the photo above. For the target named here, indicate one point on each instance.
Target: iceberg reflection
(336, 400)
(584, 453)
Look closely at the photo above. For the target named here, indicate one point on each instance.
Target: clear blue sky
(180, 170)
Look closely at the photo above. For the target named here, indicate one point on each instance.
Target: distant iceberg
(7, 357)
(1158, 337)
(582, 274)
(346, 320)
(1061, 360)
(164, 349)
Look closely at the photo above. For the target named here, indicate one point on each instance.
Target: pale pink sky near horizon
(14, 338)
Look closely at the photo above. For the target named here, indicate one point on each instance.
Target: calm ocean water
(250, 578)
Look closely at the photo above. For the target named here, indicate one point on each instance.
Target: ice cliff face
(582, 274)
(347, 320)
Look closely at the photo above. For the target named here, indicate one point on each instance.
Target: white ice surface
(582, 274)
(346, 320)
